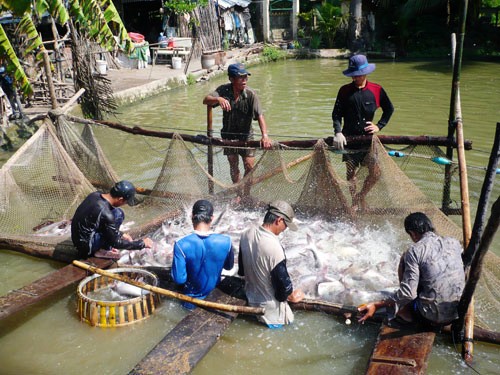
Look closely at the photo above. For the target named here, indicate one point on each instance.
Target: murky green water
(298, 97)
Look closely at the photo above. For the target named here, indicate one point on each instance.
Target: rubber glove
(339, 141)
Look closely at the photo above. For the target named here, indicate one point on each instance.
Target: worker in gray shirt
(431, 275)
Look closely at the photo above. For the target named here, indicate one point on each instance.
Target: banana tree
(88, 14)
(13, 65)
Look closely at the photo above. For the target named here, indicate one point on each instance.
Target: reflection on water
(298, 97)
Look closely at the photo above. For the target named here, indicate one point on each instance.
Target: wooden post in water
(476, 250)
(210, 155)
(454, 99)
(477, 230)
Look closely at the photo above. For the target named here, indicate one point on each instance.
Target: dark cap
(203, 206)
(237, 70)
(124, 189)
(358, 66)
(284, 210)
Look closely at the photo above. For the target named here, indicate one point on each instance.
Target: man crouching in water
(431, 276)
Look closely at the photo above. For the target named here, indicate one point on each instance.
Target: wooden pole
(50, 82)
(210, 155)
(467, 344)
(457, 66)
(195, 301)
(482, 205)
(476, 266)
(306, 143)
(57, 53)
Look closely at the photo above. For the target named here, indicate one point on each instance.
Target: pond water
(298, 97)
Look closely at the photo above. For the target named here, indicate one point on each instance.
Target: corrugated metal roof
(226, 4)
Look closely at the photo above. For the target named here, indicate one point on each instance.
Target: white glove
(339, 141)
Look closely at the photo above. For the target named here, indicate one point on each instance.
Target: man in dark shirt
(97, 221)
(240, 105)
(356, 104)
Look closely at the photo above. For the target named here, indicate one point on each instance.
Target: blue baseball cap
(237, 70)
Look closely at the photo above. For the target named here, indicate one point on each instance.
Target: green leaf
(112, 15)
(13, 65)
(18, 7)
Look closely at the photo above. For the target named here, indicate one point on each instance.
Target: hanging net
(339, 240)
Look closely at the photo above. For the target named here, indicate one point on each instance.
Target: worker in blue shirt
(200, 256)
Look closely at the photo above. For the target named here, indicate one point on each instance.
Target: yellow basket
(116, 313)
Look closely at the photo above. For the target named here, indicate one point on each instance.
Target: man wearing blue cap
(95, 227)
(356, 103)
(240, 105)
(200, 256)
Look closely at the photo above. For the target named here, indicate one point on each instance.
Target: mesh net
(54, 171)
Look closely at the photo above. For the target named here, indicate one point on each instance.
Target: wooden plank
(19, 299)
(400, 351)
(190, 340)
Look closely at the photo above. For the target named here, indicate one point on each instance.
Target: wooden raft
(19, 299)
(190, 340)
(400, 352)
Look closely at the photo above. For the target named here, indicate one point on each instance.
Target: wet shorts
(244, 152)
(355, 159)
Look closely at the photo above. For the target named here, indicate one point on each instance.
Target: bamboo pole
(467, 344)
(482, 205)
(210, 154)
(457, 66)
(212, 305)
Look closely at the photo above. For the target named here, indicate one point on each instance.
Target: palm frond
(32, 40)
(18, 7)
(13, 64)
(112, 15)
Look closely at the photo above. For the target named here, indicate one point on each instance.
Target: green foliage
(329, 20)
(315, 41)
(92, 22)
(56, 8)
(272, 53)
(13, 64)
(19, 7)
(190, 79)
(183, 6)
(112, 16)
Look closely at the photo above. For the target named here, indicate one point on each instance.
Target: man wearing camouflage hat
(262, 262)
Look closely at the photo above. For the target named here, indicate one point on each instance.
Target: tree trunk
(355, 41)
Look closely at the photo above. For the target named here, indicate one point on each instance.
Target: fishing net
(51, 174)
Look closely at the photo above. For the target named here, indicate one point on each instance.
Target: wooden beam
(400, 352)
(22, 298)
(183, 347)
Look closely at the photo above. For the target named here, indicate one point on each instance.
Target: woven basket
(116, 313)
